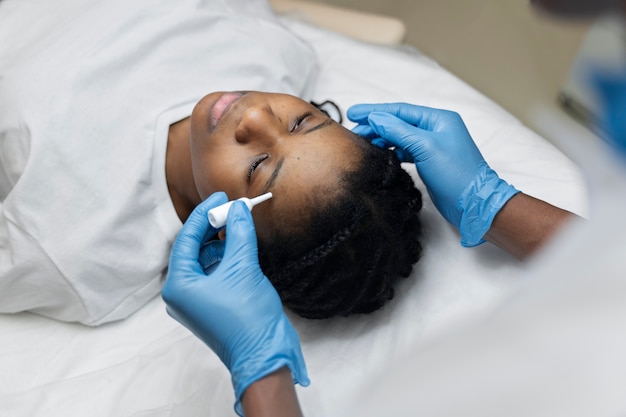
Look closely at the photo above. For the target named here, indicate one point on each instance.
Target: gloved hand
(235, 310)
(465, 190)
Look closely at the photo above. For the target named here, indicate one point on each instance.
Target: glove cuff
(280, 347)
(479, 204)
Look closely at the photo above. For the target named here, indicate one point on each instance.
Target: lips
(221, 107)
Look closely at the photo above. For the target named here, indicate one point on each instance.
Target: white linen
(148, 365)
(86, 220)
(554, 348)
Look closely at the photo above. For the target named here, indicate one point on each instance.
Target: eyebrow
(319, 126)
(272, 179)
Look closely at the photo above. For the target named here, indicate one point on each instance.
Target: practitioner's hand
(466, 191)
(235, 310)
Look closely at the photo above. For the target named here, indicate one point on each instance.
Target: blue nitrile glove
(235, 310)
(465, 190)
(611, 91)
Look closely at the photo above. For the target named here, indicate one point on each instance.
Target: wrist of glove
(278, 346)
(218, 291)
(479, 204)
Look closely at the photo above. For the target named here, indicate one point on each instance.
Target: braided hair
(352, 250)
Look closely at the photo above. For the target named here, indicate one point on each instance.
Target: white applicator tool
(217, 216)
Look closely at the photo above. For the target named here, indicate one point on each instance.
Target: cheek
(211, 175)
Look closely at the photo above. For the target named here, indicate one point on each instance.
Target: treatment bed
(149, 365)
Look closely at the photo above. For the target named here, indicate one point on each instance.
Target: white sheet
(102, 78)
(148, 365)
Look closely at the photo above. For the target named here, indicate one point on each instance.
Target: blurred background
(504, 48)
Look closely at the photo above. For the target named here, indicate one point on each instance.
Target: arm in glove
(235, 310)
(465, 190)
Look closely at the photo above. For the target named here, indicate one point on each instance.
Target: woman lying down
(343, 223)
(107, 145)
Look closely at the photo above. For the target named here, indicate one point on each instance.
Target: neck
(178, 172)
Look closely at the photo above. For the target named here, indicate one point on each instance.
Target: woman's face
(249, 143)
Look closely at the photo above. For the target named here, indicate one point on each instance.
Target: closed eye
(257, 161)
(299, 120)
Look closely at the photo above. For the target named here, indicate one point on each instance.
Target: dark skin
(272, 396)
(249, 143)
(178, 170)
(525, 224)
(254, 143)
(522, 227)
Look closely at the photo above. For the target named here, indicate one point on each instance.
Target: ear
(222, 234)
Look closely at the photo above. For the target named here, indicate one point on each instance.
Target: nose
(258, 124)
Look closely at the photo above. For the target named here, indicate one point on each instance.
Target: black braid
(352, 251)
(314, 256)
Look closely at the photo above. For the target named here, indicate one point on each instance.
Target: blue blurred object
(611, 89)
